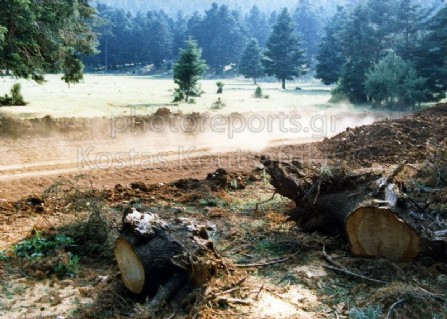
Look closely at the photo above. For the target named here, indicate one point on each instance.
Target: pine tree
(360, 49)
(160, 40)
(180, 32)
(394, 82)
(330, 58)
(258, 25)
(45, 36)
(250, 65)
(308, 26)
(221, 36)
(284, 57)
(188, 69)
(431, 56)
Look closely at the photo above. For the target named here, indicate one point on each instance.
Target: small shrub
(266, 97)
(16, 98)
(258, 93)
(220, 86)
(39, 246)
(48, 254)
(370, 312)
(218, 105)
(298, 88)
(68, 268)
(192, 101)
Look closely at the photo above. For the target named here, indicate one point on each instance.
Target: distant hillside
(172, 6)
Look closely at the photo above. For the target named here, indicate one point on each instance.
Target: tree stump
(377, 216)
(159, 258)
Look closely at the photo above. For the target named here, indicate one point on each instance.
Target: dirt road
(48, 149)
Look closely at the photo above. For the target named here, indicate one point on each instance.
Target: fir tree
(284, 57)
(160, 41)
(330, 58)
(250, 65)
(394, 82)
(308, 26)
(258, 25)
(45, 36)
(431, 56)
(188, 69)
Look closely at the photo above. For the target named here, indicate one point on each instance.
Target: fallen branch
(259, 292)
(227, 290)
(338, 267)
(267, 263)
(396, 171)
(236, 301)
(215, 295)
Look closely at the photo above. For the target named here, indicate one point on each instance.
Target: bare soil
(244, 231)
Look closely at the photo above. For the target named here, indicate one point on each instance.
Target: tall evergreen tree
(360, 50)
(284, 57)
(160, 40)
(258, 25)
(221, 35)
(188, 69)
(330, 57)
(250, 65)
(180, 32)
(45, 36)
(308, 26)
(431, 56)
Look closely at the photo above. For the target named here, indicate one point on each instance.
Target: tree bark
(378, 218)
(283, 83)
(159, 258)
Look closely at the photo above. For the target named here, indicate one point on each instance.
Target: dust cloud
(144, 142)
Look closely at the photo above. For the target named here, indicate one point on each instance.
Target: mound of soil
(389, 142)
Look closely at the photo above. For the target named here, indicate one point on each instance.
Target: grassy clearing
(103, 95)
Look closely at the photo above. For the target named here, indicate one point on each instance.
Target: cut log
(158, 258)
(378, 218)
(375, 231)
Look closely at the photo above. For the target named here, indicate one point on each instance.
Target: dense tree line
(362, 44)
(387, 52)
(221, 32)
(172, 6)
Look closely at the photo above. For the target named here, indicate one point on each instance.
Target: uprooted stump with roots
(164, 260)
(378, 217)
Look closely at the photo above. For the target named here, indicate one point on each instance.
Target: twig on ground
(267, 263)
(340, 268)
(259, 292)
(234, 301)
(215, 295)
(394, 305)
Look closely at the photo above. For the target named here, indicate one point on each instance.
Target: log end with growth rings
(374, 231)
(132, 271)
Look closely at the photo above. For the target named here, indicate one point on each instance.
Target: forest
(353, 47)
